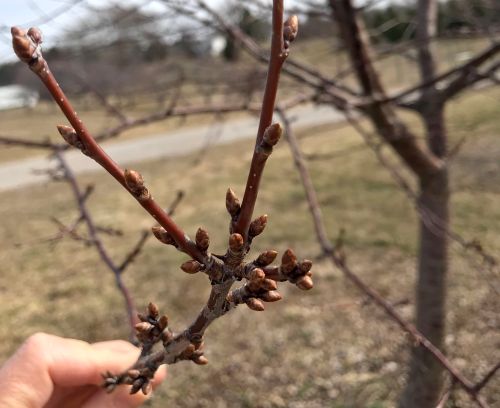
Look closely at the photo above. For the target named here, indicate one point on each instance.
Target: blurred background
(174, 88)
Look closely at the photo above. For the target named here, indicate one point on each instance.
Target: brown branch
(27, 47)
(422, 162)
(96, 241)
(222, 270)
(13, 141)
(338, 259)
(312, 199)
(489, 375)
(137, 248)
(278, 55)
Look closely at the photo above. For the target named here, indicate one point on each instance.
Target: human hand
(49, 371)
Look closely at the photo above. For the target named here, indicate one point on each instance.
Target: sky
(52, 17)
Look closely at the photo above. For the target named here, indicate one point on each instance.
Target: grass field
(324, 348)
(398, 71)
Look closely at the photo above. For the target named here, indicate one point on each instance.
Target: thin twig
(339, 261)
(96, 241)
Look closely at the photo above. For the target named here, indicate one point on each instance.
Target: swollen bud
(273, 134)
(191, 266)
(147, 388)
(153, 310)
(68, 134)
(288, 261)
(305, 266)
(257, 274)
(163, 236)
(143, 327)
(232, 203)
(305, 283)
(269, 284)
(255, 304)
(236, 242)
(202, 239)
(266, 258)
(291, 28)
(201, 360)
(133, 179)
(23, 46)
(36, 35)
(257, 226)
(133, 373)
(163, 322)
(271, 296)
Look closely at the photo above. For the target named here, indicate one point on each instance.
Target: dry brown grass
(326, 348)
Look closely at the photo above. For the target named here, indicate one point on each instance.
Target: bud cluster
(296, 272)
(152, 327)
(257, 289)
(194, 352)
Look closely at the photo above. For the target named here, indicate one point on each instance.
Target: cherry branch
(28, 48)
(222, 270)
(282, 35)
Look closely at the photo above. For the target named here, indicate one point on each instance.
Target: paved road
(22, 173)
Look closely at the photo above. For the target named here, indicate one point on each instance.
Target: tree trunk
(425, 378)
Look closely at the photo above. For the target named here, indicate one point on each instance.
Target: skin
(49, 371)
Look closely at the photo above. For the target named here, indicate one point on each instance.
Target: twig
(27, 47)
(137, 248)
(96, 241)
(489, 375)
(338, 259)
(277, 58)
(13, 141)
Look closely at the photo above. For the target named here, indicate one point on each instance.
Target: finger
(56, 361)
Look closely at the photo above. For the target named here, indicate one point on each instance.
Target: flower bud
(305, 283)
(153, 310)
(133, 373)
(146, 388)
(163, 322)
(68, 134)
(288, 261)
(305, 266)
(232, 203)
(136, 386)
(266, 258)
(256, 274)
(271, 296)
(36, 35)
(291, 28)
(143, 327)
(201, 360)
(133, 179)
(202, 239)
(191, 266)
(257, 226)
(272, 134)
(255, 304)
(269, 284)
(23, 47)
(163, 236)
(236, 242)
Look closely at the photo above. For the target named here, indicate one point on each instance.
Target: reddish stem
(277, 58)
(101, 157)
